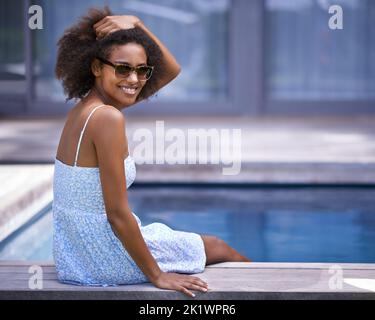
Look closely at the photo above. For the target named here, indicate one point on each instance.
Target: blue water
(268, 225)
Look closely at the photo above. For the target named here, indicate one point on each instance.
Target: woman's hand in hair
(111, 24)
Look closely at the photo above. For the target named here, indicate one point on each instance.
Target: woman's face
(121, 91)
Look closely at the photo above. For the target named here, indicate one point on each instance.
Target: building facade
(238, 57)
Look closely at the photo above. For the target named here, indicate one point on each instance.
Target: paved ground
(293, 149)
(264, 140)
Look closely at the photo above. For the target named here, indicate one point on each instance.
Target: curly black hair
(78, 47)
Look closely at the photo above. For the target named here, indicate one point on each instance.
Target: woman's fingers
(185, 286)
(110, 24)
(195, 286)
(105, 31)
(186, 291)
(105, 20)
(101, 24)
(196, 281)
(200, 282)
(182, 283)
(105, 26)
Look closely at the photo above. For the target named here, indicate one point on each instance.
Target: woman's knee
(216, 249)
(213, 242)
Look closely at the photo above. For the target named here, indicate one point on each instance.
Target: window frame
(308, 107)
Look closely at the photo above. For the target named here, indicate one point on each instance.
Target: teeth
(129, 90)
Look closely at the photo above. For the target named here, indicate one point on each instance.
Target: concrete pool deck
(299, 150)
(273, 149)
(242, 281)
(24, 191)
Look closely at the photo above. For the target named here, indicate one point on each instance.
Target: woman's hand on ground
(180, 282)
(111, 24)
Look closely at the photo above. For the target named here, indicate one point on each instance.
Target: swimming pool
(267, 225)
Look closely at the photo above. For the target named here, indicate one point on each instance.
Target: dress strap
(83, 130)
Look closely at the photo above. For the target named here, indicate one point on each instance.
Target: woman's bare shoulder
(108, 122)
(109, 116)
(109, 113)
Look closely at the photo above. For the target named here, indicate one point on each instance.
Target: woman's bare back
(69, 138)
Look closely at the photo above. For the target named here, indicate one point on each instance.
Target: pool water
(267, 225)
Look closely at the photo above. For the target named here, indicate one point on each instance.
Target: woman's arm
(110, 144)
(171, 65)
(113, 23)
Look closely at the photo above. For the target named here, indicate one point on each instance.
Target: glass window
(57, 16)
(307, 60)
(195, 31)
(12, 66)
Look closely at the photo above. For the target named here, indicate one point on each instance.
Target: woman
(110, 63)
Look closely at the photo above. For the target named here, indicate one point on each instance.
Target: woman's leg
(218, 251)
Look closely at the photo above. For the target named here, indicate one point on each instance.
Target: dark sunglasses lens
(123, 70)
(144, 72)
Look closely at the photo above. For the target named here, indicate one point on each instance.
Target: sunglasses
(123, 70)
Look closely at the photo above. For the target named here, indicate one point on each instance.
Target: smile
(129, 90)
